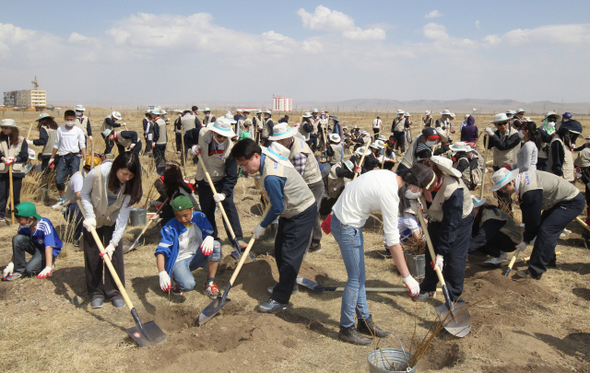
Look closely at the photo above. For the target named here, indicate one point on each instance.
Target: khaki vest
(303, 132)
(258, 123)
(510, 228)
(51, 136)
(12, 152)
(105, 215)
(123, 141)
(555, 189)
(312, 173)
(188, 123)
(297, 196)
(315, 122)
(448, 187)
(504, 157)
(163, 139)
(568, 160)
(337, 157)
(105, 125)
(398, 124)
(336, 184)
(266, 128)
(409, 159)
(82, 123)
(583, 159)
(215, 164)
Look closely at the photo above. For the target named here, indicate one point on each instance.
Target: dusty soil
(518, 325)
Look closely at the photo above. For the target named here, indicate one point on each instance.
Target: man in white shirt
(70, 145)
(377, 123)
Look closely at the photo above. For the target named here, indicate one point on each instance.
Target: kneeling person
(187, 244)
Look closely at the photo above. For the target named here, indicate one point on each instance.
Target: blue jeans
(181, 272)
(21, 245)
(67, 165)
(354, 299)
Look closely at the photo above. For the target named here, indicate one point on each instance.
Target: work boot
(368, 327)
(270, 289)
(351, 335)
(526, 273)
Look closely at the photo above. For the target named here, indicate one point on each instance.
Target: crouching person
(37, 237)
(187, 244)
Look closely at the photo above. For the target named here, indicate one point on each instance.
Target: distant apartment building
(32, 98)
(280, 103)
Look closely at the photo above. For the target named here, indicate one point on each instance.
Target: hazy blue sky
(164, 52)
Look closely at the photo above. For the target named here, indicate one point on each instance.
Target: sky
(199, 52)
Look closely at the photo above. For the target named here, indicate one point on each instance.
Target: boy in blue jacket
(187, 244)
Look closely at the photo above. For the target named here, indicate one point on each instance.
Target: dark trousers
(292, 239)
(93, 265)
(17, 183)
(498, 243)
(400, 140)
(454, 261)
(108, 145)
(148, 146)
(160, 154)
(73, 216)
(208, 208)
(375, 134)
(21, 245)
(136, 149)
(265, 141)
(318, 192)
(542, 164)
(553, 221)
(178, 142)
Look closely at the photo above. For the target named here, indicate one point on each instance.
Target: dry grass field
(519, 325)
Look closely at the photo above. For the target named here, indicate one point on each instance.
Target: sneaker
(243, 244)
(270, 289)
(425, 296)
(14, 276)
(118, 302)
(211, 290)
(176, 290)
(351, 335)
(58, 205)
(2, 219)
(97, 303)
(497, 262)
(526, 273)
(271, 306)
(315, 247)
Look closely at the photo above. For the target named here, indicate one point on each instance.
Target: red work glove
(326, 224)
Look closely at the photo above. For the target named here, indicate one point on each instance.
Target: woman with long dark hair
(13, 150)
(527, 156)
(175, 185)
(47, 127)
(109, 191)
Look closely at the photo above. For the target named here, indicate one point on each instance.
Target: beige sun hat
(8, 123)
(278, 153)
(307, 114)
(79, 108)
(445, 112)
(335, 138)
(502, 177)
(282, 131)
(400, 111)
(223, 126)
(116, 115)
(446, 166)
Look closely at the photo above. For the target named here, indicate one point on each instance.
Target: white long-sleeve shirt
(526, 158)
(368, 193)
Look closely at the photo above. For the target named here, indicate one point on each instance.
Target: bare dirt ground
(519, 326)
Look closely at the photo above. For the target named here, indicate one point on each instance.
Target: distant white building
(280, 103)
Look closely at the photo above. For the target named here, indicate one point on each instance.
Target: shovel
(238, 251)
(143, 334)
(214, 307)
(320, 289)
(512, 261)
(454, 317)
(136, 242)
(360, 164)
(11, 192)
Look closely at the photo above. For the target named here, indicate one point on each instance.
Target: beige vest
(297, 196)
(215, 164)
(266, 128)
(510, 228)
(163, 139)
(122, 141)
(315, 123)
(555, 189)
(188, 123)
(583, 159)
(82, 123)
(398, 124)
(337, 157)
(408, 159)
(448, 187)
(258, 123)
(568, 160)
(105, 125)
(51, 136)
(312, 173)
(336, 184)
(105, 215)
(504, 157)
(12, 152)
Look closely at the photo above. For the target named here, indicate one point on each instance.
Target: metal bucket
(387, 360)
(416, 264)
(138, 217)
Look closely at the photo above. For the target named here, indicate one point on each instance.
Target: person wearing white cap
(449, 226)
(335, 149)
(548, 203)
(160, 139)
(209, 118)
(83, 122)
(377, 124)
(397, 128)
(13, 150)
(291, 202)
(47, 127)
(110, 122)
(494, 232)
(125, 140)
(427, 119)
(510, 113)
(467, 161)
(215, 148)
(517, 119)
(267, 128)
(444, 120)
(244, 122)
(304, 161)
(547, 130)
(372, 158)
(561, 161)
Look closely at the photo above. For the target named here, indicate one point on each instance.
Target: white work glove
(153, 145)
(124, 124)
(51, 160)
(109, 250)
(45, 272)
(131, 146)
(89, 222)
(219, 197)
(207, 245)
(165, 283)
(195, 150)
(90, 138)
(490, 131)
(412, 285)
(8, 270)
(521, 246)
(30, 142)
(438, 263)
(258, 231)
(155, 217)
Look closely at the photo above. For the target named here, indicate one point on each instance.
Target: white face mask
(26, 226)
(430, 143)
(70, 124)
(521, 134)
(78, 114)
(412, 195)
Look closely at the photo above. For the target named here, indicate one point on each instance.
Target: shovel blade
(457, 322)
(212, 309)
(312, 285)
(236, 255)
(151, 335)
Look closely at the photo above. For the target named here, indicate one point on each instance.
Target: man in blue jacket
(187, 244)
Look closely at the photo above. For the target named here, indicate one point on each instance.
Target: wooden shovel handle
(11, 192)
(362, 158)
(429, 244)
(485, 160)
(582, 223)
